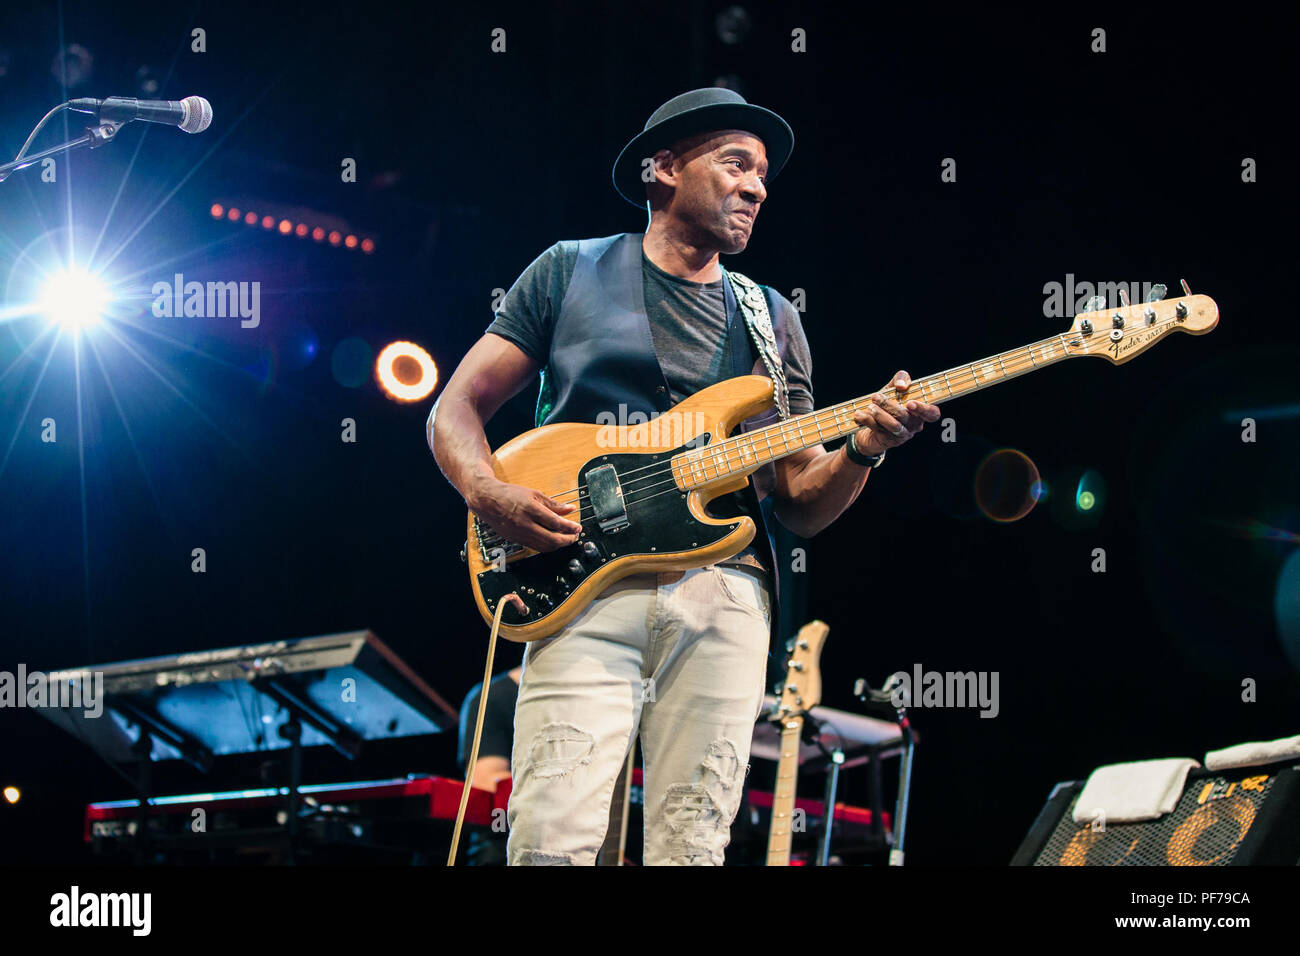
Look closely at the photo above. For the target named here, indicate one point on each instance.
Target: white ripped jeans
(683, 657)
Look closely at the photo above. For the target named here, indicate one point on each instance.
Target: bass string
(1014, 366)
(727, 446)
(711, 459)
(711, 456)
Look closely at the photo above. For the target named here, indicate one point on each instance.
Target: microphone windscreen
(198, 114)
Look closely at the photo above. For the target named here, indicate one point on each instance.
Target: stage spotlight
(367, 246)
(73, 298)
(406, 371)
(12, 794)
(217, 210)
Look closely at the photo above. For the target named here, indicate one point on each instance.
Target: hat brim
(777, 137)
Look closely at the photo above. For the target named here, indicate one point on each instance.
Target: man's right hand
(525, 516)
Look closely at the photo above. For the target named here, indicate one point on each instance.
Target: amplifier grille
(1205, 828)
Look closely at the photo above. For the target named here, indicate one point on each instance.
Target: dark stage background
(1123, 166)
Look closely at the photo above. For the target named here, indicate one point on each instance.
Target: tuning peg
(1186, 290)
(1095, 304)
(1157, 292)
(1123, 297)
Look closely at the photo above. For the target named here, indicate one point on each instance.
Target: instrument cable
(478, 724)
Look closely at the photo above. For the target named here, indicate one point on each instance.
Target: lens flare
(406, 371)
(1254, 530)
(1286, 607)
(1007, 485)
(1090, 491)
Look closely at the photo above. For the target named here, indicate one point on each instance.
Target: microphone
(885, 696)
(192, 114)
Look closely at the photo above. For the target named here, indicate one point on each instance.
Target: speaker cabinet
(1244, 817)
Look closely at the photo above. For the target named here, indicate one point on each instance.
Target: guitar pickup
(606, 497)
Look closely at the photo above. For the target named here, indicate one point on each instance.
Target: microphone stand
(95, 136)
(883, 700)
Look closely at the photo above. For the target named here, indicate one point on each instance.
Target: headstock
(1119, 334)
(802, 688)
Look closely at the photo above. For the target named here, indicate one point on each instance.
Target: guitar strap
(753, 306)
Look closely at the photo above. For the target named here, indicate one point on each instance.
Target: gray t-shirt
(688, 328)
(688, 324)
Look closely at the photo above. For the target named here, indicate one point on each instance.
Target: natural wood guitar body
(552, 459)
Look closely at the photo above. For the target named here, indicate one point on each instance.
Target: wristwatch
(855, 456)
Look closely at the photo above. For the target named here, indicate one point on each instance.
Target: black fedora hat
(697, 112)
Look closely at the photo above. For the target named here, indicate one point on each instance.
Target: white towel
(1128, 792)
(1254, 753)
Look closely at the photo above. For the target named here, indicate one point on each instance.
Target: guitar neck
(742, 453)
(787, 775)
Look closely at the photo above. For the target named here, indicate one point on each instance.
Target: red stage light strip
(288, 228)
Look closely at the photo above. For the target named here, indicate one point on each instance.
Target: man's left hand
(887, 423)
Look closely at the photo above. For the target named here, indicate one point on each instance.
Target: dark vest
(602, 356)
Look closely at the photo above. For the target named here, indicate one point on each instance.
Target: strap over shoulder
(753, 306)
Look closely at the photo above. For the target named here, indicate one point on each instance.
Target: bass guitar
(643, 489)
(800, 692)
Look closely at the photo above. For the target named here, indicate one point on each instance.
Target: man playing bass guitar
(631, 325)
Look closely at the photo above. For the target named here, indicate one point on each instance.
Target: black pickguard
(659, 522)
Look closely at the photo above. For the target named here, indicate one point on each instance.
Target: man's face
(718, 186)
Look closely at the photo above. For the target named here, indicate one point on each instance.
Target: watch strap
(855, 456)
